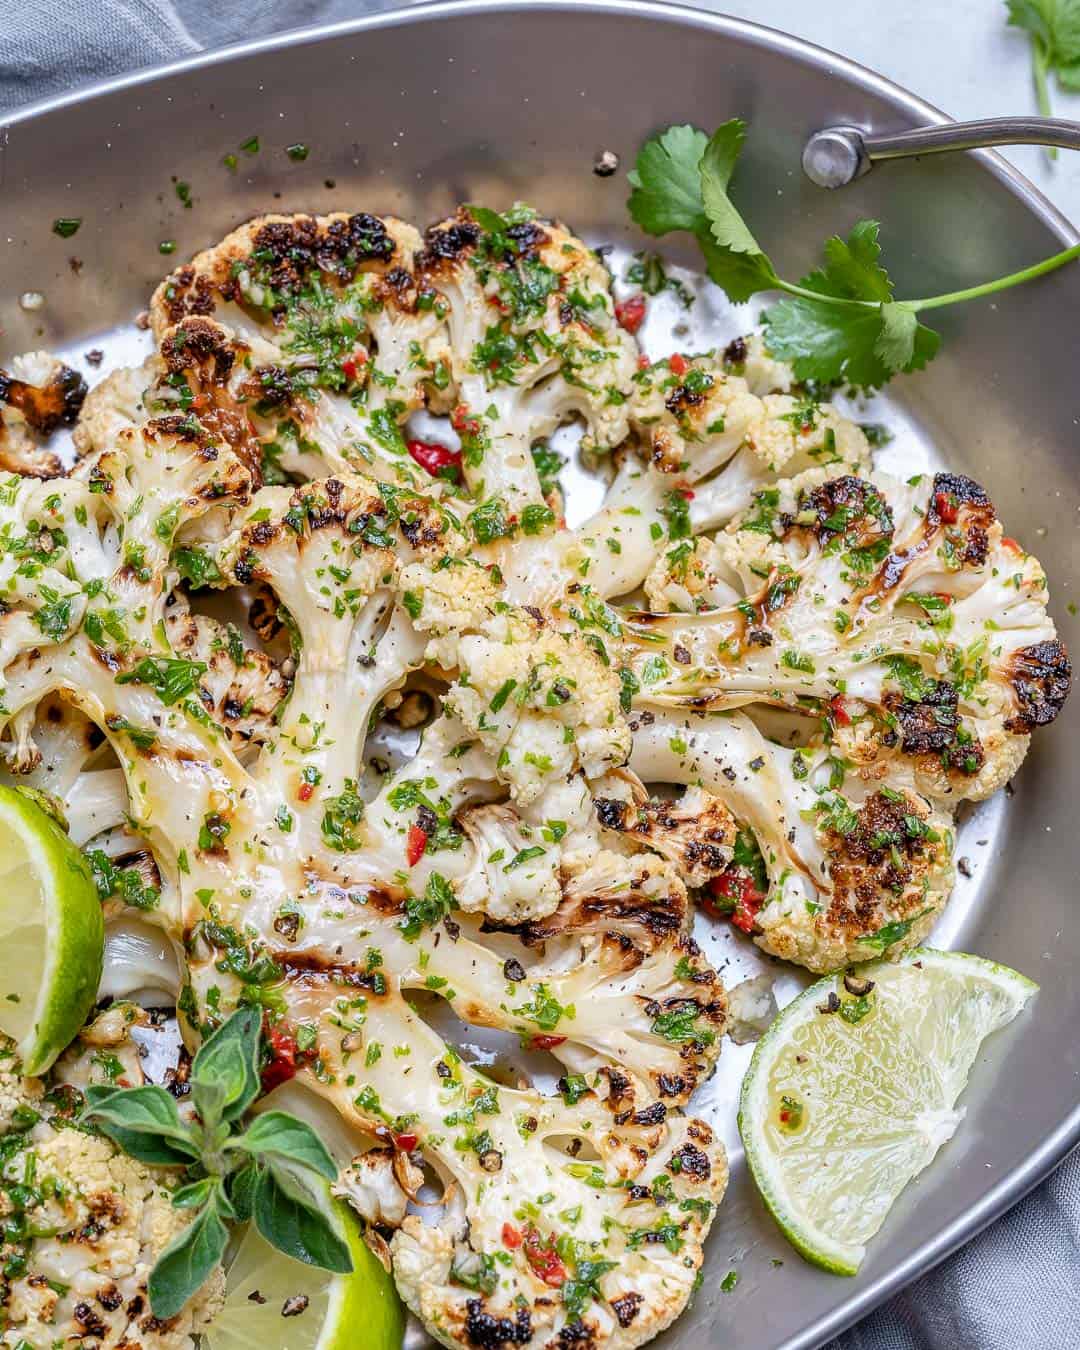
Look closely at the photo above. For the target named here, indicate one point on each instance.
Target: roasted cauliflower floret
(690, 576)
(379, 1184)
(834, 877)
(101, 1221)
(697, 834)
(240, 686)
(530, 341)
(38, 395)
(889, 877)
(896, 610)
(764, 374)
(609, 1262)
(337, 324)
(692, 415)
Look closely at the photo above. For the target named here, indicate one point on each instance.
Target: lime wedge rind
(50, 900)
(343, 1311)
(995, 995)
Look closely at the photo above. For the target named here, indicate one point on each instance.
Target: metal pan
(414, 111)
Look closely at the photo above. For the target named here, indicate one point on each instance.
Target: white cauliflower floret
(896, 610)
(379, 1184)
(696, 834)
(751, 1009)
(749, 357)
(541, 702)
(513, 878)
(692, 415)
(689, 576)
(241, 687)
(700, 474)
(188, 451)
(18, 1096)
(104, 1052)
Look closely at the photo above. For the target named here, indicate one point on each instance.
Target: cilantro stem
(951, 297)
(1001, 283)
(1039, 65)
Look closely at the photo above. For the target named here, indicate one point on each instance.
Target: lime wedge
(275, 1303)
(841, 1108)
(51, 933)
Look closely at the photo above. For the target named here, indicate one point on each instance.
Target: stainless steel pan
(476, 101)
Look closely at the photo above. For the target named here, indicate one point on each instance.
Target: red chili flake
(461, 421)
(415, 843)
(406, 1142)
(1009, 542)
(785, 1116)
(838, 712)
(434, 458)
(199, 402)
(543, 1259)
(351, 365)
(282, 1064)
(511, 1237)
(678, 364)
(945, 506)
(735, 887)
(643, 362)
(545, 1042)
(687, 493)
(306, 791)
(630, 313)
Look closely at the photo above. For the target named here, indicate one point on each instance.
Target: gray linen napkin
(1015, 1286)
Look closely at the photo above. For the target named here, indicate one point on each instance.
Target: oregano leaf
(288, 1217)
(277, 1134)
(188, 1261)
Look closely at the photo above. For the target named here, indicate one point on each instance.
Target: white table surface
(957, 54)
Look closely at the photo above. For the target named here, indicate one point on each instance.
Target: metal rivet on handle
(834, 157)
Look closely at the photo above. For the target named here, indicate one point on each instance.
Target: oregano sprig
(272, 1171)
(842, 322)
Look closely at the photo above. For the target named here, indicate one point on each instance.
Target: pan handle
(836, 156)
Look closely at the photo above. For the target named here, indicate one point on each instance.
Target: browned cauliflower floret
(38, 395)
(102, 1221)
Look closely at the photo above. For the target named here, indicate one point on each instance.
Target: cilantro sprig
(842, 322)
(1054, 29)
(272, 1171)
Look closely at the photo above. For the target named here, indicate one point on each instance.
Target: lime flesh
(841, 1109)
(342, 1312)
(51, 933)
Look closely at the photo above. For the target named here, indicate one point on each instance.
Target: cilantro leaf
(895, 344)
(856, 332)
(852, 269)
(666, 183)
(1054, 28)
(735, 259)
(831, 343)
(864, 344)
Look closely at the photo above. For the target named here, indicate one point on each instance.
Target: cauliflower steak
(390, 752)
